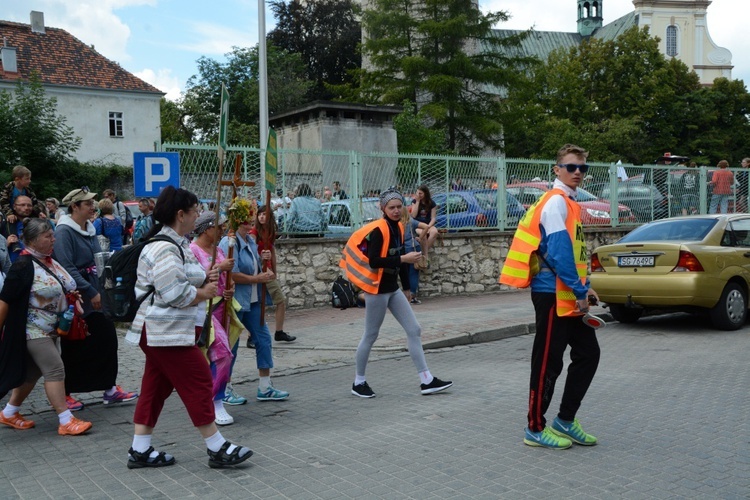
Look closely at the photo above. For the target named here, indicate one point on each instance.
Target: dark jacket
(15, 293)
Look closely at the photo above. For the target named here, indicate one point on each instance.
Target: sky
(161, 40)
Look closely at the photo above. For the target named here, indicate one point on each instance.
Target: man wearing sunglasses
(549, 253)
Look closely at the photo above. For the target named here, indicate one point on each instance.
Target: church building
(680, 26)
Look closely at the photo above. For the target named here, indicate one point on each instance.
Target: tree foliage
(623, 99)
(287, 87)
(325, 33)
(444, 56)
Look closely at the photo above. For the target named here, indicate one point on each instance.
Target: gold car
(695, 263)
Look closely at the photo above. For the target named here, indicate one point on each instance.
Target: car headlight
(600, 214)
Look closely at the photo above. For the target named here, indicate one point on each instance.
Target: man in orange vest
(549, 253)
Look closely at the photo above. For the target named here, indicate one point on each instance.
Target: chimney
(37, 22)
(8, 58)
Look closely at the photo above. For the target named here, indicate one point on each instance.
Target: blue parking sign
(152, 172)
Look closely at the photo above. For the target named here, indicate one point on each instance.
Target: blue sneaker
(232, 398)
(546, 439)
(573, 431)
(272, 395)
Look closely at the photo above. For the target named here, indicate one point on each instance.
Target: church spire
(589, 16)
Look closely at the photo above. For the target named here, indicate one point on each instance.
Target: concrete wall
(460, 263)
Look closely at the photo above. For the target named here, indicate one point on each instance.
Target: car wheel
(625, 314)
(731, 311)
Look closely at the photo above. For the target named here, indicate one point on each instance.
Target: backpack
(120, 303)
(342, 294)
(128, 217)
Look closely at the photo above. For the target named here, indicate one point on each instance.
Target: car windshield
(584, 195)
(671, 230)
(371, 210)
(487, 200)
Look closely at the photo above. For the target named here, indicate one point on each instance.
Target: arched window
(587, 10)
(672, 40)
(595, 9)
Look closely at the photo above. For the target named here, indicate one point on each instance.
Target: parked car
(698, 263)
(594, 211)
(339, 214)
(645, 201)
(474, 209)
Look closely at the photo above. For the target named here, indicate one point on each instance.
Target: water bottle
(66, 319)
(121, 303)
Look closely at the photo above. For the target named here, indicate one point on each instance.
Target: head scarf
(206, 221)
(388, 195)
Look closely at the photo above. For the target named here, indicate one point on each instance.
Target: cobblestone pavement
(668, 406)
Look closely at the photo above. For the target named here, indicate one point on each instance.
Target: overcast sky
(160, 40)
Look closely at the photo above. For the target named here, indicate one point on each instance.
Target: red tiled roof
(61, 59)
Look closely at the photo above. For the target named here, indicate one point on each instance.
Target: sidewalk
(328, 337)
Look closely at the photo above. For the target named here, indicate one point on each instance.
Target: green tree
(33, 133)
(173, 122)
(414, 136)
(326, 34)
(444, 56)
(622, 99)
(287, 87)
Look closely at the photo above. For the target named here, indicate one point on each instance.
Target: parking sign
(152, 172)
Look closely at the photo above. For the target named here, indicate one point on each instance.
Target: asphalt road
(669, 405)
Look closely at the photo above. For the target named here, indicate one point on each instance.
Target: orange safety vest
(522, 263)
(355, 262)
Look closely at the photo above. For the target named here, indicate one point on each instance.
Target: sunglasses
(572, 167)
(84, 190)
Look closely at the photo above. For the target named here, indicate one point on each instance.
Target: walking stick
(267, 235)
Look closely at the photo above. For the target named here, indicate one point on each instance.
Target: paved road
(669, 406)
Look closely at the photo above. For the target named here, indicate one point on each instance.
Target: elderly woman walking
(90, 364)
(220, 341)
(166, 329)
(30, 304)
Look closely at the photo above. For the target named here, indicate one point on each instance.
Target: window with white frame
(115, 124)
(672, 41)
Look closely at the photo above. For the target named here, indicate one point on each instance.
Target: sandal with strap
(137, 460)
(218, 459)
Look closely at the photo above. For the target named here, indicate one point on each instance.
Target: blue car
(475, 209)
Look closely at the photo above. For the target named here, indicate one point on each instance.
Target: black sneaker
(362, 390)
(250, 344)
(282, 336)
(436, 385)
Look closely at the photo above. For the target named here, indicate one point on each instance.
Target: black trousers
(91, 364)
(553, 335)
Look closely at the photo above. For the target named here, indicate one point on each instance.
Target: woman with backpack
(90, 364)
(108, 225)
(167, 327)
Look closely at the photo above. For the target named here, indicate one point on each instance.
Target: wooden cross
(237, 181)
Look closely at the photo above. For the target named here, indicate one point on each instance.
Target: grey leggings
(375, 307)
(43, 359)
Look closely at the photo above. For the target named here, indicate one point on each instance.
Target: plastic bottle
(63, 325)
(120, 298)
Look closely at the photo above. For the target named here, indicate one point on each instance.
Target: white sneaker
(223, 418)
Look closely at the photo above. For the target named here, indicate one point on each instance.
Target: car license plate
(636, 261)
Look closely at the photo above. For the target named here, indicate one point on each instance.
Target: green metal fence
(465, 188)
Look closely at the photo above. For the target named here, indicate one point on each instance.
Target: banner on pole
(223, 121)
(272, 158)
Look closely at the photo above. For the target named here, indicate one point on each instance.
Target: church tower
(589, 16)
(682, 27)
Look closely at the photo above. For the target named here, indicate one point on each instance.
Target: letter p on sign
(152, 172)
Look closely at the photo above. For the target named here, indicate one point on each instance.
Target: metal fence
(465, 188)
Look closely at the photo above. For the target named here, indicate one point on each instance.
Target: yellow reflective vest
(355, 262)
(522, 262)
